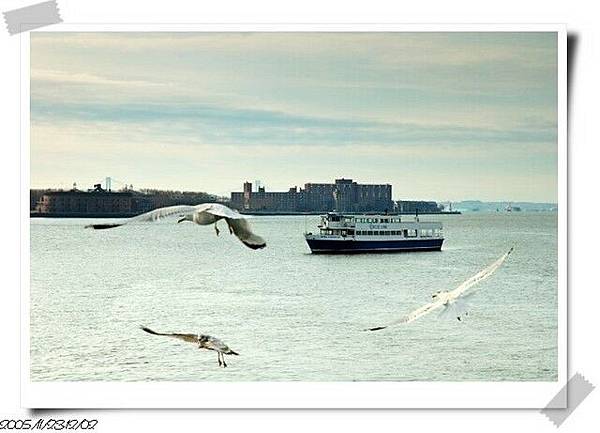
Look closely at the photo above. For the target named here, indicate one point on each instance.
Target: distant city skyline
(120, 186)
(439, 116)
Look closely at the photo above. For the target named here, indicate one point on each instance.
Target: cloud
(42, 76)
(238, 126)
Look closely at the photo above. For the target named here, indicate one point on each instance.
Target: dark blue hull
(326, 246)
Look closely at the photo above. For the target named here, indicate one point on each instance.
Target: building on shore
(100, 203)
(344, 195)
(81, 203)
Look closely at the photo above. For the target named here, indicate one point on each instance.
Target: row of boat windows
(377, 220)
(407, 233)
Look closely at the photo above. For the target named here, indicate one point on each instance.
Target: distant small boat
(340, 233)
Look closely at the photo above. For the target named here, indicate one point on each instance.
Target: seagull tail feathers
(231, 352)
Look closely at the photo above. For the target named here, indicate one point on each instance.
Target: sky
(439, 116)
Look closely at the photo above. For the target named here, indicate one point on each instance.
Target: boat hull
(346, 246)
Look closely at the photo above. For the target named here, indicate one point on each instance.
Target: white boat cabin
(377, 227)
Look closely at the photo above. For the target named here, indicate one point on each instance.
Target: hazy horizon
(439, 116)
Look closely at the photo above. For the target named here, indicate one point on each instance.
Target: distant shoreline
(129, 215)
(258, 213)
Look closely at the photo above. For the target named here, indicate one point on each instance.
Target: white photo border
(294, 394)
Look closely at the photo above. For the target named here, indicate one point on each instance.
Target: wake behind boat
(340, 233)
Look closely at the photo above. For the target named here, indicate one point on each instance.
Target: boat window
(370, 233)
(410, 233)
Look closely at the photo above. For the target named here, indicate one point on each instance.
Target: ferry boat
(340, 233)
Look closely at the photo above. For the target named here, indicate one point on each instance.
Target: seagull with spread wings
(201, 214)
(203, 341)
(451, 301)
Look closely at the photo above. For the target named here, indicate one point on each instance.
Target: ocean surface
(291, 315)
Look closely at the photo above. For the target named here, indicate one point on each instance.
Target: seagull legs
(223, 356)
(217, 229)
(219, 358)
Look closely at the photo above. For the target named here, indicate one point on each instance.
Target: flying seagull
(453, 300)
(203, 342)
(201, 214)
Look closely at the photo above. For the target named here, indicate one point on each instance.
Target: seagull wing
(452, 295)
(412, 316)
(219, 210)
(190, 338)
(479, 276)
(241, 229)
(213, 343)
(154, 215)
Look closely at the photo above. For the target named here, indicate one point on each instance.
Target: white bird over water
(201, 214)
(203, 341)
(452, 301)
